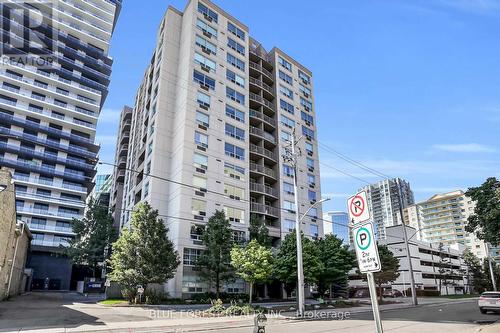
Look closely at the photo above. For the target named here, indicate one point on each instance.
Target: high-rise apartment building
(121, 163)
(384, 200)
(54, 79)
(337, 223)
(212, 115)
(412, 216)
(444, 217)
(102, 190)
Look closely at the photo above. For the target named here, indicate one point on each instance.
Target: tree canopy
(253, 263)
(214, 263)
(94, 235)
(485, 222)
(258, 230)
(143, 254)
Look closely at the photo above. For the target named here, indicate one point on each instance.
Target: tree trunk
(331, 292)
(251, 293)
(217, 285)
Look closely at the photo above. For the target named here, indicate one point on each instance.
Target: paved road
(59, 312)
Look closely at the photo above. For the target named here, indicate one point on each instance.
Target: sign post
(366, 248)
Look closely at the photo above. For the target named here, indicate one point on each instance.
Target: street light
(300, 268)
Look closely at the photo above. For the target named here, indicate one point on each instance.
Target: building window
(310, 163)
(146, 189)
(309, 148)
(306, 117)
(235, 78)
(204, 62)
(288, 205)
(306, 104)
(286, 136)
(235, 132)
(235, 96)
(235, 114)
(192, 284)
(305, 91)
(234, 171)
(207, 12)
(304, 77)
(207, 30)
(240, 64)
(190, 256)
(289, 225)
(234, 151)
(238, 237)
(203, 99)
(284, 63)
(198, 207)
(204, 80)
(235, 30)
(314, 230)
(311, 195)
(235, 214)
(200, 161)
(285, 77)
(287, 170)
(199, 182)
(287, 121)
(201, 139)
(206, 45)
(286, 106)
(235, 46)
(202, 119)
(234, 192)
(313, 212)
(288, 188)
(286, 92)
(309, 133)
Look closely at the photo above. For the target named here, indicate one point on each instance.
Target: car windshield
(491, 295)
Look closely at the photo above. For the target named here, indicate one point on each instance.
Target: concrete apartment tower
(444, 217)
(121, 152)
(384, 200)
(214, 111)
(53, 82)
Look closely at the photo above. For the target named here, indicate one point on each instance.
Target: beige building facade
(211, 117)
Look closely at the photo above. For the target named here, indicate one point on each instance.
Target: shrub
(153, 297)
(216, 308)
(129, 294)
(207, 297)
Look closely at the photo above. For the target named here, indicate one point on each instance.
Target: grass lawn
(113, 301)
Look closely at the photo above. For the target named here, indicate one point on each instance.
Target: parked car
(489, 301)
(392, 293)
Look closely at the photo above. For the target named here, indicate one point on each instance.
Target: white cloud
(464, 148)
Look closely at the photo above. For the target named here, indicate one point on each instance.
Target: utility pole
(290, 158)
(405, 236)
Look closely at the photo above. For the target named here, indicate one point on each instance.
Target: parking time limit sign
(366, 248)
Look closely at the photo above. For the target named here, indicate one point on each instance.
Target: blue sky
(410, 88)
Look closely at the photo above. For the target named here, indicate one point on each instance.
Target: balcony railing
(255, 187)
(257, 98)
(262, 116)
(264, 209)
(48, 212)
(263, 151)
(262, 85)
(261, 69)
(262, 169)
(263, 134)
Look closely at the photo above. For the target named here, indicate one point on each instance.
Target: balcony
(51, 199)
(263, 170)
(42, 242)
(264, 152)
(262, 116)
(261, 188)
(262, 85)
(261, 69)
(264, 209)
(262, 134)
(262, 101)
(47, 212)
(53, 228)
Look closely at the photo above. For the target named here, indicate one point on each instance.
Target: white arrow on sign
(358, 208)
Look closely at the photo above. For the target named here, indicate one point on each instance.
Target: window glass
(234, 151)
(200, 161)
(201, 139)
(206, 28)
(235, 30)
(235, 114)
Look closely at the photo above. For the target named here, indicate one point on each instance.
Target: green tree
(258, 230)
(253, 263)
(337, 260)
(214, 264)
(475, 272)
(390, 267)
(444, 269)
(485, 222)
(143, 254)
(496, 272)
(94, 235)
(285, 267)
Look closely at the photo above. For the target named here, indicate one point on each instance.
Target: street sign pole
(373, 297)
